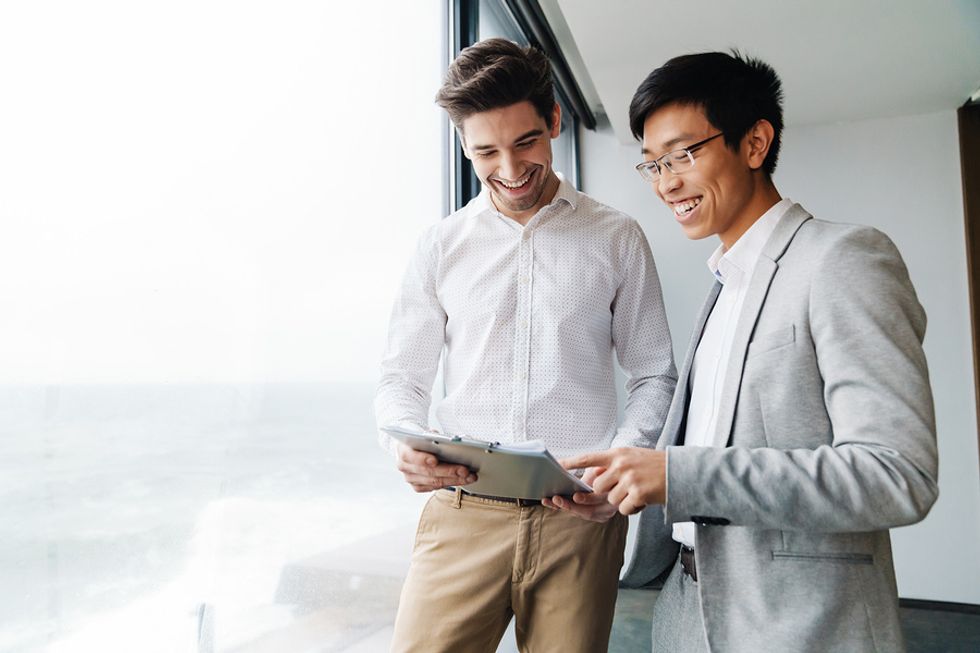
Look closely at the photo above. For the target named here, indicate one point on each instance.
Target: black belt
(687, 562)
(517, 502)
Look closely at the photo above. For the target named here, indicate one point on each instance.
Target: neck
(764, 196)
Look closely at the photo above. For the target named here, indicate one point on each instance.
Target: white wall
(902, 176)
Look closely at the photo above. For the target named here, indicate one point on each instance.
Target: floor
(926, 631)
(341, 610)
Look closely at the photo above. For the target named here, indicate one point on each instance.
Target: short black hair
(735, 92)
(496, 73)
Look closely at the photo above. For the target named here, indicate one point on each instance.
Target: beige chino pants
(478, 562)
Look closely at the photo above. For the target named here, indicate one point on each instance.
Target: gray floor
(926, 631)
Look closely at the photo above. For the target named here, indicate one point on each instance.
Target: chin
(695, 232)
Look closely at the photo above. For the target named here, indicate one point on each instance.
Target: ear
(555, 121)
(757, 142)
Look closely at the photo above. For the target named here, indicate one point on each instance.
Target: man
(802, 428)
(529, 289)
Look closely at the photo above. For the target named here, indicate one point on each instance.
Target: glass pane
(495, 20)
(564, 147)
(207, 211)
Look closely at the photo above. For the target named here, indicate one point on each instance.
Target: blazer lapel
(755, 297)
(678, 407)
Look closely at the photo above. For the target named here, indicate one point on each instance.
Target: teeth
(686, 207)
(515, 184)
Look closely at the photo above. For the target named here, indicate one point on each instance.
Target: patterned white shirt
(733, 268)
(528, 319)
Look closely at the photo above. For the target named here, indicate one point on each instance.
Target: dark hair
(493, 74)
(735, 92)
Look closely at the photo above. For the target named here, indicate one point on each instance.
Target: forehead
(673, 126)
(501, 126)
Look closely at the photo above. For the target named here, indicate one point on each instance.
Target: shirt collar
(566, 193)
(741, 258)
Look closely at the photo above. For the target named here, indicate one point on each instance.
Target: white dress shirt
(528, 318)
(733, 268)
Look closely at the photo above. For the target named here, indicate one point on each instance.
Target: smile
(514, 185)
(685, 207)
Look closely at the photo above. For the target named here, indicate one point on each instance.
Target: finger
(605, 482)
(617, 495)
(591, 473)
(581, 461)
(589, 498)
(630, 507)
(451, 471)
(428, 481)
(417, 461)
(585, 512)
(444, 471)
(423, 487)
(413, 457)
(548, 503)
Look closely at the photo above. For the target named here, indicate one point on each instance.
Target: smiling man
(528, 292)
(802, 428)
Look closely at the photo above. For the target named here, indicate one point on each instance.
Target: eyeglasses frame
(644, 167)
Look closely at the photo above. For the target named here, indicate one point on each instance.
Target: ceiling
(839, 60)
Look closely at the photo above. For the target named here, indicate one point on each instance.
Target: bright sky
(211, 191)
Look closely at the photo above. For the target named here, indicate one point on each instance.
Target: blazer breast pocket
(772, 340)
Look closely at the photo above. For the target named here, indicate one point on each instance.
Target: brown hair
(493, 74)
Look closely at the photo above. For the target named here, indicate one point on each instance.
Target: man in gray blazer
(802, 427)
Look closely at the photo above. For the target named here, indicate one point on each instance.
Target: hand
(631, 477)
(425, 473)
(591, 506)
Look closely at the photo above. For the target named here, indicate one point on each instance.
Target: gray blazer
(826, 439)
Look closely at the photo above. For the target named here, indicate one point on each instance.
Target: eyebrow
(669, 145)
(522, 137)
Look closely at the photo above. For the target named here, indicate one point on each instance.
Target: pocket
(772, 340)
(815, 556)
(423, 519)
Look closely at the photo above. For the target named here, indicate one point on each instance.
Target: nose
(510, 168)
(667, 182)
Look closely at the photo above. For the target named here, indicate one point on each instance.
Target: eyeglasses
(677, 161)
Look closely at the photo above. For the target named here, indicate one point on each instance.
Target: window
(207, 210)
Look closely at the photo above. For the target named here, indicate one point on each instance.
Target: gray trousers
(677, 623)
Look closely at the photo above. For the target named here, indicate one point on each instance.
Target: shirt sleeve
(643, 347)
(416, 333)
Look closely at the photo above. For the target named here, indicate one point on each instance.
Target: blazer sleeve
(880, 470)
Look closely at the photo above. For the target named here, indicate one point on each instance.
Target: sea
(198, 518)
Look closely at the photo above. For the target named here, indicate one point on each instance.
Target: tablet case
(524, 470)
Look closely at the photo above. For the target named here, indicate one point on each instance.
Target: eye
(485, 154)
(677, 156)
(523, 145)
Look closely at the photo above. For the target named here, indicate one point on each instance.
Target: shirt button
(525, 278)
(523, 324)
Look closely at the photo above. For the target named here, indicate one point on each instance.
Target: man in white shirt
(803, 427)
(528, 292)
